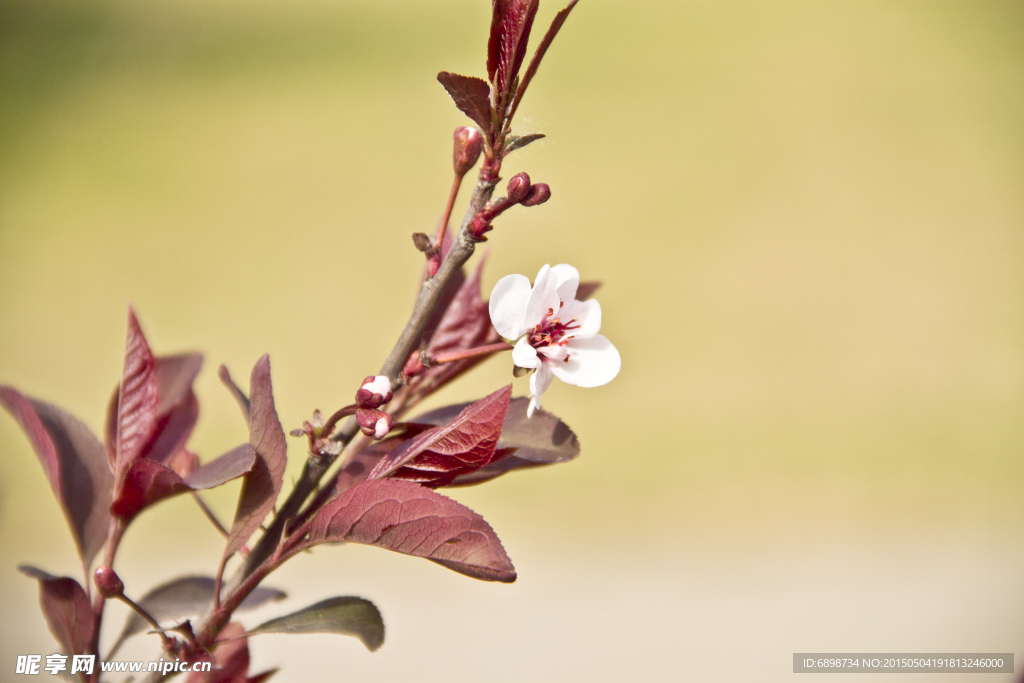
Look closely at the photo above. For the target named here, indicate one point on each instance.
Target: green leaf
(348, 616)
(515, 142)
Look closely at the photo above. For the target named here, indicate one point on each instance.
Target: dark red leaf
(177, 407)
(66, 609)
(472, 97)
(138, 399)
(263, 483)
(145, 483)
(148, 482)
(262, 677)
(175, 375)
(173, 429)
(75, 464)
(411, 519)
(525, 442)
(531, 70)
(586, 290)
(224, 468)
(511, 22)
(438, 455)
(230, 658)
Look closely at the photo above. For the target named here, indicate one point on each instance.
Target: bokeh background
(809, 218)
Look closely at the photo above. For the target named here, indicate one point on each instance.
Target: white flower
(557, 335)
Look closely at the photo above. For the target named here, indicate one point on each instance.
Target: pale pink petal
(588, 315)
(566, 279)
(592, 362)
(508, 306)
(543, 298)
(524, 355)
(554, 351)
(539, 383)
(380, 385)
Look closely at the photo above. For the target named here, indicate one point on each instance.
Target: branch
(427, 300)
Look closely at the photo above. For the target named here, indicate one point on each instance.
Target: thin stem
(213, 518)
(141, 611)
(456, 184)
(470, 353)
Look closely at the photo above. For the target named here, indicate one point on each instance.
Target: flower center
(552, 331)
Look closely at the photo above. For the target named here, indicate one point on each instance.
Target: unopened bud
(518, 187)
(422, 242)
(375, 392)
(469, 142)
(414, 365)
(108, 583)
(479, 226)
(433, 264)
(373, 423)
(538, 194)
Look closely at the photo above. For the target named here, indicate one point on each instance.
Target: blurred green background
(809, 219)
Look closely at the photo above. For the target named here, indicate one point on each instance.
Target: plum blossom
(553, 333)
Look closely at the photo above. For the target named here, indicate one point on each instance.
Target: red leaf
(411, 519)
(511, 22)
(472, 96)
(145, 483)
(531, 70)
(230, 659)
(138, 399)
(177, 407)
(233, 464)
(75, 465)
(525, 442)
(263, 483)
(66, 609)
(438, 455)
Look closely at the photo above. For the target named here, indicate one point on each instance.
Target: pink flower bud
(518, 187)
(414, 365)
(469, 142)
(108, 583)
(479, 226)
(538, 194)
(375, 392)
(373, 423)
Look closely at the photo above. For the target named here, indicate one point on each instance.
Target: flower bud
(375, 392)
(108, 583)
(422, 242)
(373, 423)
(518, 187)
(414, 365)
(469, 142)
(538, 194)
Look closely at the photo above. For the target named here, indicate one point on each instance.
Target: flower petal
(554, 351)
(539, 383)
(592, 362)
(567, 279)
(588, 315)
(543, 298)
(508, 305)
(524, 355)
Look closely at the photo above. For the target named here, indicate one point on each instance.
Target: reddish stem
(470, 353)
(456, 184)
